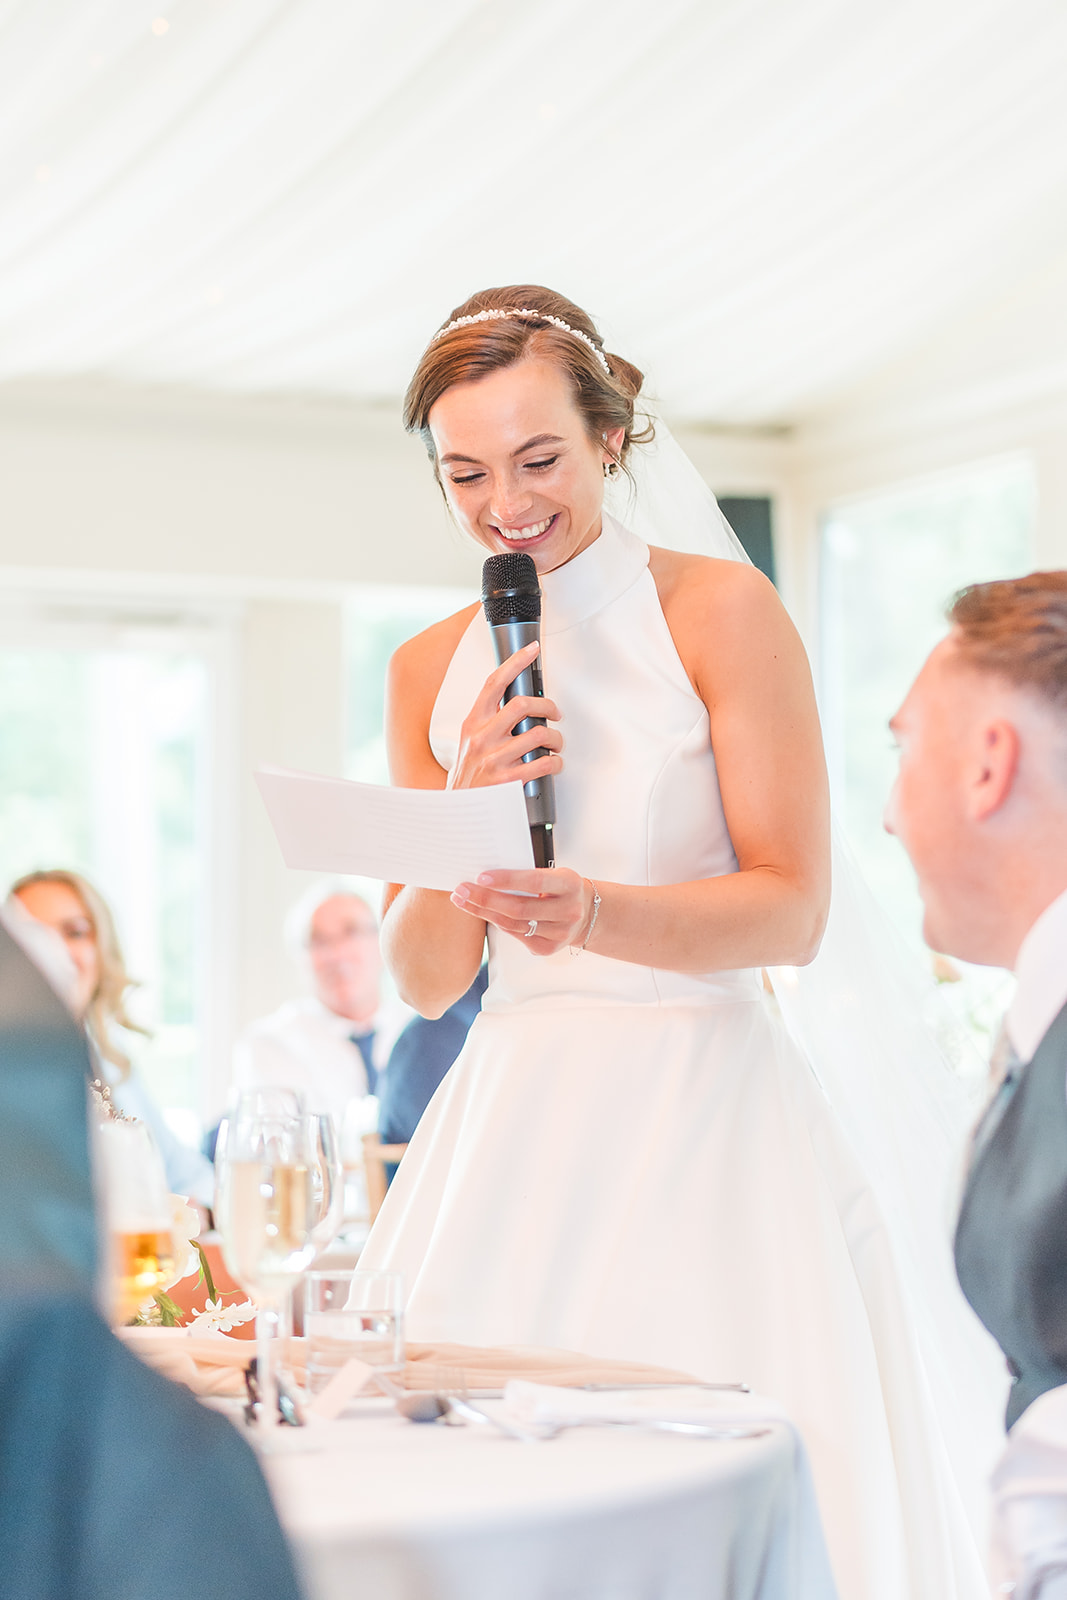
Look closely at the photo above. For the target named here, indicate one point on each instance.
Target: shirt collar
(344, 1027)
(1041, 973)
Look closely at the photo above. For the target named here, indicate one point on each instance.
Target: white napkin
(207, 1363)
(544, 1404)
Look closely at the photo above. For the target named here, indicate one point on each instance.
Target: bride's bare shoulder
(426, 656)
(418, 666)
(416, 672)
(727, 622)
(709, 588)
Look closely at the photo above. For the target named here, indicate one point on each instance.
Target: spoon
(425, 1406)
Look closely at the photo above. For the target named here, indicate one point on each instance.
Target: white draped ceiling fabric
(766, 201)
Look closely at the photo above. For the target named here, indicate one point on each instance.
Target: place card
(345, 1384)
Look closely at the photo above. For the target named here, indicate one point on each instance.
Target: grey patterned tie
(1006, 1070)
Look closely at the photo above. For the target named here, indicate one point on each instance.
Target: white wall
(241, 491)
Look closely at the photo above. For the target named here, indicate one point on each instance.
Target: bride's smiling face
(518, 467)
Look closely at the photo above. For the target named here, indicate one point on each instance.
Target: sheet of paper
(432, 838)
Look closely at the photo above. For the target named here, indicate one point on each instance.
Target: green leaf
(205, 1271)
(170, 1315)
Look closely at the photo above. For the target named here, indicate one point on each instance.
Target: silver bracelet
(576, 949)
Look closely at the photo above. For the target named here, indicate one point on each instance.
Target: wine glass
(261, 1102)
(267, 1101)
(138, 1210)
(328, 1203)
(328, 1181)
(266, 1212)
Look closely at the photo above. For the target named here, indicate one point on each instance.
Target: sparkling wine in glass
(266, 1212)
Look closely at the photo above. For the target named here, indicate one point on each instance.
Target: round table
(383, 1509)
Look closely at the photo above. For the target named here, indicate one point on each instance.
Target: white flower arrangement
(217, 1318)
(161, 1310)
(184, 1228)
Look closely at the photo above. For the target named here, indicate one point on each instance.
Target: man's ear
(994, 767)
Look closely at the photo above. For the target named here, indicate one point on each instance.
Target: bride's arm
(748, 665)
(434, 950)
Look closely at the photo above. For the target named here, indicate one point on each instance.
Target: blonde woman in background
(73, 909)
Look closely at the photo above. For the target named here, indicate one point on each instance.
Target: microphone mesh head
(510, 590)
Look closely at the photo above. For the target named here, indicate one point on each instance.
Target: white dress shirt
(1041, 975)
(307, 1047)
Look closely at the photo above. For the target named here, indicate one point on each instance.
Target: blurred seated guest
(47, 1229)
(113, 1480)
(331, 1046)
(71, 907)
(980, 805)
(420, 1058)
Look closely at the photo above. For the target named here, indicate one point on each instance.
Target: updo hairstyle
(605, 399)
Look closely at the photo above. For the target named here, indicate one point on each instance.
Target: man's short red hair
(1017, 628)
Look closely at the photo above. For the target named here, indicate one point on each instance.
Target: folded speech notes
(432, 838)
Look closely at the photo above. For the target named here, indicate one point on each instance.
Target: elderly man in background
(331, 1045)
(980, 805)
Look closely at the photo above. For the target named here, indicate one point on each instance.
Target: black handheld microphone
(511, 600)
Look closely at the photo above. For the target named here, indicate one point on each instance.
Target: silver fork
(514, 1430)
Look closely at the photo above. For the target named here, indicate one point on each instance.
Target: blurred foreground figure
(980, 805)
(113, 1481)
(330, 1045)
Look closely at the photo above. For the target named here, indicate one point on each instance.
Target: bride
(631, 1158)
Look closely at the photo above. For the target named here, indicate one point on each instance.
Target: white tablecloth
(389, 1510)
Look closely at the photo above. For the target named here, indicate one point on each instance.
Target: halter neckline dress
(639, 1164)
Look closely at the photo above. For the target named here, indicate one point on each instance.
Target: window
(106, 730)
(889, 564)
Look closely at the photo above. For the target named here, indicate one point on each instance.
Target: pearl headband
(538, 316)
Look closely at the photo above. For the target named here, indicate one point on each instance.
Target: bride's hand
(555, 898)
(488, 750)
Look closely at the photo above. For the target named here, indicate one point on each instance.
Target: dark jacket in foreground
(115, 1484)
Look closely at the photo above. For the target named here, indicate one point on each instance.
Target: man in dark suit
(419, 1060)
(980, 805)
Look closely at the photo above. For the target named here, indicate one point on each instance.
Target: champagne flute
(138, 1211)
(267, 1101)
(328, 1204)
(328, 1181)
(266, 1213)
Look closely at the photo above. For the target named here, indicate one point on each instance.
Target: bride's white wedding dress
(640, 1164)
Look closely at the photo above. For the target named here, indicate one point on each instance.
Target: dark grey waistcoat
(1011, 1238)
